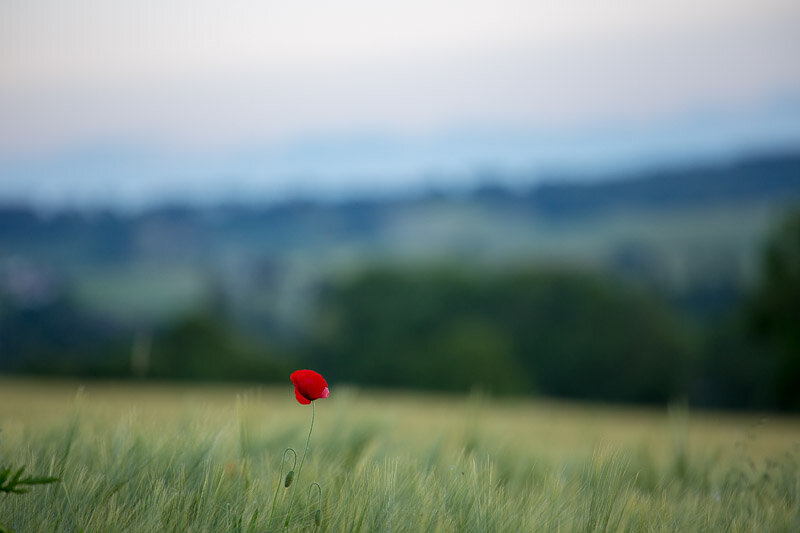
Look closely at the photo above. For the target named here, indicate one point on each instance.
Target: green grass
(201, 458)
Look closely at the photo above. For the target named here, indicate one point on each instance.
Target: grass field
(135, 457)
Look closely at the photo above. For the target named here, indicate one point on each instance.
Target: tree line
(555, 332)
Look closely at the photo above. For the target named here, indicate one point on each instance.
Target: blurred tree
(735, 370)
(584, 336)
(564, 334)
(775, 309)
(203, 345)
(414, 329)
(49, 338)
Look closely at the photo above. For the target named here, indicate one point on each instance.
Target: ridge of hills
(678, 228)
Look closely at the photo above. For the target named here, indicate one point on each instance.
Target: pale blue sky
(131, 99)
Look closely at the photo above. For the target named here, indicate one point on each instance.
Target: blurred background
(584, 200)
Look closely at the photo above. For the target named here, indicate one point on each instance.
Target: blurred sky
(129, 102)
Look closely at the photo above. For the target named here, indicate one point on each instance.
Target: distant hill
(774, 178)
(761, 179)
(678, 228)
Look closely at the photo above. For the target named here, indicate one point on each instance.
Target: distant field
(682, 246)
(136, 457)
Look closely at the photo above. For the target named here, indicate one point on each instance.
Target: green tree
(585, 336)
(775, 309)
(415, 328)
(558, 333)
(206, 346)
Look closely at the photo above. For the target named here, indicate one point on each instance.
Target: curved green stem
(280, 480)
(300, 469)
(318, 512)
(319, 494)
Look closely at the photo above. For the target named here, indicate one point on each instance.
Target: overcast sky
(211, 79)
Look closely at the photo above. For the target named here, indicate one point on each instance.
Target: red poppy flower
(309, 386)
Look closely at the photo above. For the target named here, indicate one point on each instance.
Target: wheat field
(177, 457)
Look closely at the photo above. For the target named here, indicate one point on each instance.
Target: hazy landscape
(490, 266)
(500, 360)
(340, 285)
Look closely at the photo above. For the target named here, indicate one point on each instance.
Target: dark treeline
(554, 332)
(740, 182)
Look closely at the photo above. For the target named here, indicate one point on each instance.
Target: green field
(135, 457)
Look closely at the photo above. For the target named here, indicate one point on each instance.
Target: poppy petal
(300, 398)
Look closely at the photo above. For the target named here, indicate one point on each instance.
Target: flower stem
(300, 469)
(280, 481)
